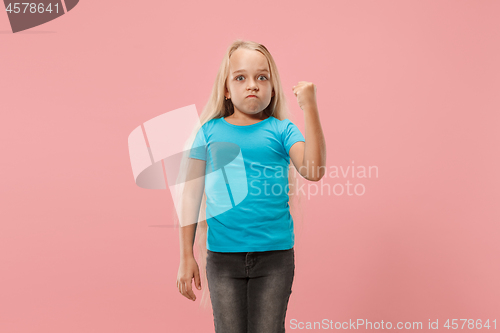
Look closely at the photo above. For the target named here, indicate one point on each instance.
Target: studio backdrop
(99, 98)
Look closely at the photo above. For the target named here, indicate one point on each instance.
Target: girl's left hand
(306, 94)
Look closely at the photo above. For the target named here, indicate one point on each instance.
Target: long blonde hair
(218, 107)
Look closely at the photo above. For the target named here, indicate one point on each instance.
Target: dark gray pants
(250, 290)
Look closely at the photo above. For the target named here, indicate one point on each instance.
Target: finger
(181, 289)
(190, 292)
(184, 290)
(197, 281)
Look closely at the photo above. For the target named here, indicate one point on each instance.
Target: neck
(238, 115)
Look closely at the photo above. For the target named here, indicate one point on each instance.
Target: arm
(190, 208)
(309, 158)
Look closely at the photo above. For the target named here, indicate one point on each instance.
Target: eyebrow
(259, 70)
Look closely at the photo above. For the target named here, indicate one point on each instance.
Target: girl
(246, 143)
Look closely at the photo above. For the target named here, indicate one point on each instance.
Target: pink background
(408, 86)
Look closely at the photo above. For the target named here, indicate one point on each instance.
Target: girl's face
(249, 75)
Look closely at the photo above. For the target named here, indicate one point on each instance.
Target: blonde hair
(218, 107)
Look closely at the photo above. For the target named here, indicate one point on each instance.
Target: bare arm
(309, 158)
(190, 208)
(191, 201)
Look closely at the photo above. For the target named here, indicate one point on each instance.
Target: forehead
(247, 60)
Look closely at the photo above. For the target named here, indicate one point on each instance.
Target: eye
(265, 77)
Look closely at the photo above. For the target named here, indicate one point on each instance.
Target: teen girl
(248, 231)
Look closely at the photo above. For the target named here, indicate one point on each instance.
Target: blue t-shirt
(246, 184)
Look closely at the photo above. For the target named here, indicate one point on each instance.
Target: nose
(252, 85)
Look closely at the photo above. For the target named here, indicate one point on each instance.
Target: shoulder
(278, 122)
(211, 122)
(208, 126)
(282, 125)
(283, 122)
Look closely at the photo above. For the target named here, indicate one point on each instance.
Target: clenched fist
(306, 94)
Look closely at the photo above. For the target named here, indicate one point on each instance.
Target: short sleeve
(291, 135)
(199, 147)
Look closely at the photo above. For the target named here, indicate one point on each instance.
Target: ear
(272, 94)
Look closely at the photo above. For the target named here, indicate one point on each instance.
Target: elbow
(315, 177)
(312, 173)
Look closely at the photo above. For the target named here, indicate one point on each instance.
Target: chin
(250, 112)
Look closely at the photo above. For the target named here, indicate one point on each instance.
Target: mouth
(250, 96)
